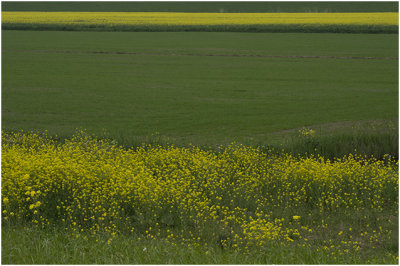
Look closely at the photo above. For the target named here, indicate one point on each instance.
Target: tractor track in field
(210, 55)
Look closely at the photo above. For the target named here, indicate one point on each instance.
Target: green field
(201, 88)
(192, 6)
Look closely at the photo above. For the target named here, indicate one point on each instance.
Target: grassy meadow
(201, 88)
(147, 146)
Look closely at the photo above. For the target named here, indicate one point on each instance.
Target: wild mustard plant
(235, 197)
(176, 19)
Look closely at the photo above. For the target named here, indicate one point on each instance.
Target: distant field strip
(198, 21)
(166, 18)
(205, 54)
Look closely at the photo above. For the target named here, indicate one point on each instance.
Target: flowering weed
(236, 197)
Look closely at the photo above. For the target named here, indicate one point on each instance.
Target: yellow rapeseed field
(236, 195)
(176, 19)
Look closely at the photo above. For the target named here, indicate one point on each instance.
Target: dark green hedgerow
(201, 6)
(316, 28)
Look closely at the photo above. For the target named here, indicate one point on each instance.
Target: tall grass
(367, 140)
(29, 245)
(383, 146)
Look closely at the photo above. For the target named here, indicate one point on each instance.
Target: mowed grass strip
(161, 21)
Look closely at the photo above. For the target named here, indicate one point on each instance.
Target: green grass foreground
(30, 245)
(296, 28)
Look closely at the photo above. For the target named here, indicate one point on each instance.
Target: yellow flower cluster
(182, 194)
(174, 19)
(305, 132)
